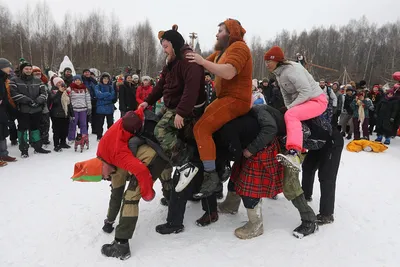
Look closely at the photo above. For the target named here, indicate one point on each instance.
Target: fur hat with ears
(175, 38)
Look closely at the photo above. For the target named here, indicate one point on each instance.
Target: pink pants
(295, 115)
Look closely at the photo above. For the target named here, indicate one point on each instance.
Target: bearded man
(232, 66)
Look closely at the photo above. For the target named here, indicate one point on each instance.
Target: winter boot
(187, 172)
(24, 154)
(14, 142)
(254, 227)
(117, 249)
(210, 185)
(379, 138)
(65, 145)
(325, 219)
(41, 150)
(291, 160)
(108, 226)
(207, 218)
(3, 163)
(387, 141)
(58, 149)
(168, 228)
(349, 136)
(306, 228)
(230, 204)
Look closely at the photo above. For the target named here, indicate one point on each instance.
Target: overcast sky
(258, 17)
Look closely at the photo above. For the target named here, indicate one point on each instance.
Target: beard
(222, 43)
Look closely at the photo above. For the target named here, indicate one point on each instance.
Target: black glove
(391, 120)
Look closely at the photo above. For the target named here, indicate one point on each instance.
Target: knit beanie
(56, 80)
(5, 63)
(274, 54)
(135, 77)
(77, 77)
(133, 121)
(85, 70)
(175, 38)
(146, 78)
(23, 65)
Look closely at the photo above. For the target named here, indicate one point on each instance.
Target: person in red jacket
(143, 91)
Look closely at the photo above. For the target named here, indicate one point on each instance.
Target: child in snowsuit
(303, 99)
(385, 114)
(361, 109)
(143, 91)
(81, 103)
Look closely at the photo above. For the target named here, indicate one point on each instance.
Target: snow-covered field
(48, 220)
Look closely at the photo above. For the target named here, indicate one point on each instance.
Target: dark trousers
(326, 161)
(60, 130)
(364, 127)
(177, 203)
(44, 127)
(100, 122)
(29, 123)
(13, 130)
(372, 121)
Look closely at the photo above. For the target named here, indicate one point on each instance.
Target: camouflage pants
(127, 201)
(166, 133)
(166, 182)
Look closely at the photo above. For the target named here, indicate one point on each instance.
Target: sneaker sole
(173, 232)
(185, 181)
(282, 160)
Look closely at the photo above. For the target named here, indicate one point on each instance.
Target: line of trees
(366, 51)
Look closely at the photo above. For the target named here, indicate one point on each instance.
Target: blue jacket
(105, 95)
(90, 84)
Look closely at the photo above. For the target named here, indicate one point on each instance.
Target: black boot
(24, 154)
(14, 142)
(108, 226)
(58, 148)
(306, 228)
(325, 219)
(207, 219)
(65, 145)
(117, 249)
(168, 228)
(41, 150)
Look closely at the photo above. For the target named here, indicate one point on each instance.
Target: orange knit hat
(275, 54)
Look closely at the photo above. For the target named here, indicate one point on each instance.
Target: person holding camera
(61, 113)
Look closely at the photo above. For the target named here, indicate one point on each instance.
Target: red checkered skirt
(259, 176)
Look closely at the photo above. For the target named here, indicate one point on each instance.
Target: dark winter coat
(375, 98)
(386, 112)
(181, 85)
(267, 92)
(3, 106)
(105, 95)
(26, 90)
(90, 84)
(277, 99)
(347, 104)
(272, 124)
(56, 108)
(127, 97)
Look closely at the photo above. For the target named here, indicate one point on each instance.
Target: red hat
(133, 121)
(275, 54)
(396, 76)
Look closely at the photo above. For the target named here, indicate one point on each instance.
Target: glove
(391, 120)
(146, 187)
(283, 109)
(33, 104)
(71, 119)
(89, 112)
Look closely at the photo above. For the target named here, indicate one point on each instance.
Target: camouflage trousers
(166, 133)
(167, 182)
(126, 202)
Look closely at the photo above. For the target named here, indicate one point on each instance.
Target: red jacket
(142, 92)
(113, 149)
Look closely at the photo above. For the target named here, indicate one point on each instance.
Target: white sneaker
(187, 172)
(290, 161)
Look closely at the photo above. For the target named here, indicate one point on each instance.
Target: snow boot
(108, 226)
(305, 228)
(58, 149)
(207, 218)
(65, 145)
(41, 150)
(24, 155)
(291, 160)
(187, 172)
(210, 185)
(231, 203)
(169, 228)
(3, 163)
(254, 227)
(325, 219)
(117, 249)
(387, 141)
(379, 138)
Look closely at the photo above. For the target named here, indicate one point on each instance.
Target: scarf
(361, 113)
(78, 88)
(65, 102)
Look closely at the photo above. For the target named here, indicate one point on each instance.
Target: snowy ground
(48, 220)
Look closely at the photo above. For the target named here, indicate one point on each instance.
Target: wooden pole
(192, 36)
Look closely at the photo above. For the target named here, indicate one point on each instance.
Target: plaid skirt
(259, 176)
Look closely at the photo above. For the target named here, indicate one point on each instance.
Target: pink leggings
(295, 115)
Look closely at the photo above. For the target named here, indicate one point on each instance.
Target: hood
(105, 74)
(235, 29)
